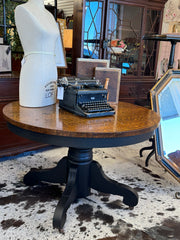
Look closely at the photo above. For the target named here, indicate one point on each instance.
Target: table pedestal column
(80, 173)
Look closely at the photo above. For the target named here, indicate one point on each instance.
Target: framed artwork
(5, 58)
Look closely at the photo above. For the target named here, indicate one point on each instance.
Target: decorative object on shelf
(165, 98)
(117, 46)
(5, 58)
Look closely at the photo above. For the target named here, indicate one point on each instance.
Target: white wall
(65, 5)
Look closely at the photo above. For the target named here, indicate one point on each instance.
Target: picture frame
(5, 59)
(114, 76)
(85, 67)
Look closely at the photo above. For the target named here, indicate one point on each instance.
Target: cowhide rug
(26, 212)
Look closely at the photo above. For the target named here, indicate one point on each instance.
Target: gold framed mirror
(165, 99)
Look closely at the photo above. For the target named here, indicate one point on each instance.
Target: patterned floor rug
(26, 213)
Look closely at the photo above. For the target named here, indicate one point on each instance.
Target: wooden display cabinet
(10, 143)
(114, 30)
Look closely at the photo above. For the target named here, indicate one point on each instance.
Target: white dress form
(43, 52)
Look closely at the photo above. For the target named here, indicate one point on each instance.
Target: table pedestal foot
(68, 197)
(100, 182)
(57, 174)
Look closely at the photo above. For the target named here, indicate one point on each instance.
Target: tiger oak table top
(129, 121)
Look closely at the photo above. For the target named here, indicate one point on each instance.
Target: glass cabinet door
(115, 31)
(93, 29)
(123, 33)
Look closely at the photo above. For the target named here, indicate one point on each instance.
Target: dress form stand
(43, 52)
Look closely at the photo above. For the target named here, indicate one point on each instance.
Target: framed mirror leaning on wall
(165, 99)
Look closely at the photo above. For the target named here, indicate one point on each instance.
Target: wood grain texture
(129, 120)
(114, 75)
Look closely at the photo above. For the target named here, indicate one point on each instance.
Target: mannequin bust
(43, 52)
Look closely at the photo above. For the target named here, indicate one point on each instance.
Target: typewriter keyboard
(92, 107)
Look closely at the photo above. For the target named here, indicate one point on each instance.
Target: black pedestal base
(80, 174)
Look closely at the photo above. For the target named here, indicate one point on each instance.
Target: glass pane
(124, 32)
(149, 48)
(92, 29)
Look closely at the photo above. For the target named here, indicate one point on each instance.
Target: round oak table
(130, 124)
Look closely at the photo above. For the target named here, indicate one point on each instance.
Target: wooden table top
(129, 120)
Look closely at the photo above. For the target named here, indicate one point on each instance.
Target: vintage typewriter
(86, 98)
